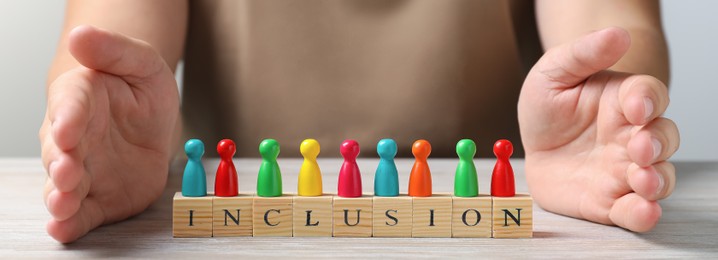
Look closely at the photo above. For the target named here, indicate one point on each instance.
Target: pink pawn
(349, 185)
(502, 179)
(226, 183)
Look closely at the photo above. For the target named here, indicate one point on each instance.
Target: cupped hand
(596, 141)
(107, 132)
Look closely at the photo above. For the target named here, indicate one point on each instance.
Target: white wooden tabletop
(689, 227)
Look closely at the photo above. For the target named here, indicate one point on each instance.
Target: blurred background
(30, 30)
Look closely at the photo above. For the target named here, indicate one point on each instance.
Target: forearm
(560, 21)
(161, 23)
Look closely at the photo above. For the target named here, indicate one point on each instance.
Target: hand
(107, 132)
(596, 142)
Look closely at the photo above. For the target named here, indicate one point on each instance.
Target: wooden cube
(471, 216)
(513, 216)
(431, 216)
(272, 216)
(352, 216)
(232, 216)
(313, 216)
(392, 216)
(191, 216)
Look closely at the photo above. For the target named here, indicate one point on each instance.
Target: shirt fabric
(356, 69)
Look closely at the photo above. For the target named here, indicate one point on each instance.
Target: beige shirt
(363, 70)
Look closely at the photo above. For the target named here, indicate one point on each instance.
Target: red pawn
(502, 179)
(225, 183)
(349, 185)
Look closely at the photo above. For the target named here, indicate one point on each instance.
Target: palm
(125, 160)
(591, 139)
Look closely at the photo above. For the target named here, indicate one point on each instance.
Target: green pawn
(466, 183)
(269, 181)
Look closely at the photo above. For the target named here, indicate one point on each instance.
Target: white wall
(29, 31)
(692, 30)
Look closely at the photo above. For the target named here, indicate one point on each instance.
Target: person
(590, 110)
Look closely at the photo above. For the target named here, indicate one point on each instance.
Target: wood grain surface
(689, 227)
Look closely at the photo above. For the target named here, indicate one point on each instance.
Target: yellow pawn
(310, 176)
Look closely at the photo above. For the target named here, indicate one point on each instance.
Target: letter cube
(432, 216)
(392, 216)
(313, 216)
(471, 216)
(352, 216)
(513, 216)
(191, 216)
(232, 216)
(272, 216)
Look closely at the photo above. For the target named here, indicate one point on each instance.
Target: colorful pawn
(502, 179)
(269, 180)
(420, 178)
(466, 183)
(194, 180)
(310, 176)
(386, 179)
(349, 185)
(226, 183)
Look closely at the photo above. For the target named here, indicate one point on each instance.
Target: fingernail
(661, 183)
(656, 148)
(647, 107)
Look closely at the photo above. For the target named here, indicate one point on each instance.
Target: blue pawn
(386, 180)
(194, 180)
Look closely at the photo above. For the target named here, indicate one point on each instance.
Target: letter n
(516, 219)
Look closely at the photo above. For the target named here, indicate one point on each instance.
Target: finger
(64, 169)
(63, 205)
(643, 98)
(49, 150)
(657, 141)
(114, 53)
(49, 187)
(654, 182)
(44, 129)
(88, 217)
(67, 171)
(571, 63)
(635, 213)
(70, 102)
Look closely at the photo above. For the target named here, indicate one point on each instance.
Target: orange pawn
(420, 178)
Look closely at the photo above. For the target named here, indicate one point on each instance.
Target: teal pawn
(466, 183)
(386, 179)
(194, 180)
(269, 180)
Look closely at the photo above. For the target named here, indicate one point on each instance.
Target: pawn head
(503, 148)
(386, 148)
(194, 148)
(466, 149)
(226, 148)
(421, 149)
(309, 148)
(349, 149)
(269, 148)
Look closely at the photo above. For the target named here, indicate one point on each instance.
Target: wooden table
(689, 227)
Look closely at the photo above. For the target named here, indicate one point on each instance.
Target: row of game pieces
(386, 180)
